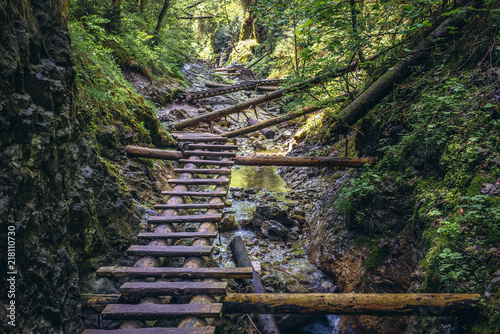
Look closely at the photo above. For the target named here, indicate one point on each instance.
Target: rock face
(68, 211)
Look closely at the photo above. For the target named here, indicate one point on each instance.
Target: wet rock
(274, 230)
(293, 234)
(228, 223)
(258, 145)
(270, 212)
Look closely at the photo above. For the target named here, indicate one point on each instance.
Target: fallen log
(382, 304)
(268, 97)
(385, 84)
(241, 259)
(259, 160)
(265, 131)
(284, 118)
(425, 304)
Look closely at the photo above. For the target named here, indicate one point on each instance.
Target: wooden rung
(169, 272)
(210, 153)
(186, 218)
(198, 139)
(203, 171)
(137, 290)
(213, 147)
(190, 206)
(207, 162)
(149, 311)
(178, 235)
(179, 133)
(196, 193)
(170, 251)
(199, 181)
(153, 330)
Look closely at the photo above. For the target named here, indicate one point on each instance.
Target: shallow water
(261, 177)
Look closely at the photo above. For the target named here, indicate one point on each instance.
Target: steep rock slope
(65, 204)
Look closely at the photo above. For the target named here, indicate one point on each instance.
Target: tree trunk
(384, 85)
(241, 259)
(161, 16)
(141, 6)
(281, 119)
(383, 304)
(143, 152)
(264, 130)
(214, 115)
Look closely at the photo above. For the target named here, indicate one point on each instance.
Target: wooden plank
(207, 162)
(149, 311)
(212, 147)
(211, 154)
(170, 251)
(204, 171)
(186, 218)
(196, 193)
(199, 181)
(178, 235)
(168, 272)
(199, 139)
(154, 330)
(190, 206)
(137, 290)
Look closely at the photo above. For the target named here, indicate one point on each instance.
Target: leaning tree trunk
(162, 16)
(384, 85)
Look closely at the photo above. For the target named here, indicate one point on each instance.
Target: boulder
(271, 212)
(274, 230)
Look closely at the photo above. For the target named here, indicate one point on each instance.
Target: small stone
(327, 286)
(258, 145)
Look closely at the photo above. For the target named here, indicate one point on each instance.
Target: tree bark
(161, 16)
(384, 85)
(384, 304)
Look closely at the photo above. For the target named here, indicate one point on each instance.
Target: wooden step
(202, 139)
(203, 171)
(190, 206)
(170, 251)
(219, 182)
(210, 153)
(191, 133)
(207, 162)
(196, 193)
(138, 290)
(178, 235)
(187, 218)
(153, 330)
(149, 311)
(168, 272)
(212, 147)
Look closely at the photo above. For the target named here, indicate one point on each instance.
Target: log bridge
(196, 295)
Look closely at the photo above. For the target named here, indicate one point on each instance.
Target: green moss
(376, 257)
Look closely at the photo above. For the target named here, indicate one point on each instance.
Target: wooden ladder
(136, 295)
